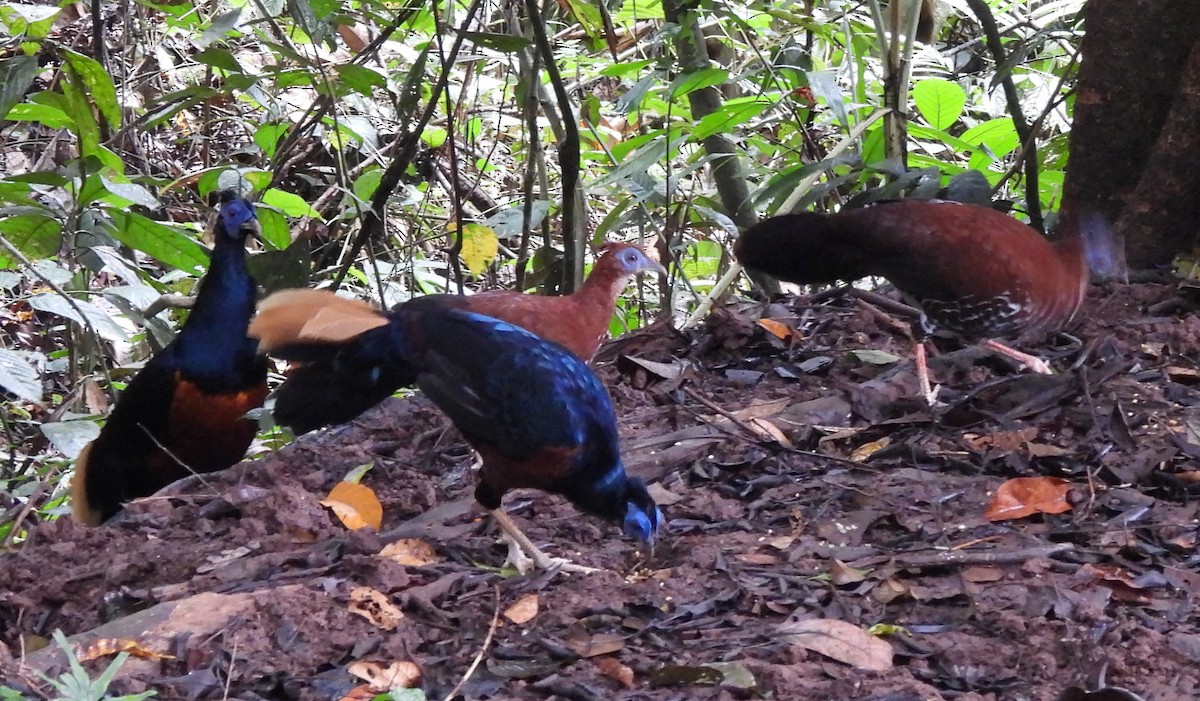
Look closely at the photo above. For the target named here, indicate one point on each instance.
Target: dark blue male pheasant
(536, 413)
(184, 413)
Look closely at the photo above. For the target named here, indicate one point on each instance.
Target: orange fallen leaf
(613, 669)
(1025, 496)
(111, 646)
(355, 505)
(777, 328)
(374, 606)
(524, 610)
(866, 450)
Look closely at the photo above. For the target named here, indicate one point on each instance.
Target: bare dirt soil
(804, 484)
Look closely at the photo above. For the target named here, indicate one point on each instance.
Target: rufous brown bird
(970, 269)
(536, 413)
(323, 394)
(184, 413)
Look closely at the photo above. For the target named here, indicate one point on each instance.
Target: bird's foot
(1027, 361)
(525, 562)
(931, 396)
(1039, 366)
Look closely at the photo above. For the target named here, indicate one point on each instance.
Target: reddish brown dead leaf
(355, 505)
(613, 669)
(842, 641)
(111, 646)
(410, 552)
(1007, 441)
(362, 692)
(1122, 582)
(1025, 496)
(763, 559)
(523, 610)
(585, 644)
(980, 574)
(374, 606)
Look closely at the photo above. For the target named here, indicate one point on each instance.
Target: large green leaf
(696, 80)
(163, 243)
(728, 116)
(97, 84)
(16, 75)
(939, 101)
(32, 231)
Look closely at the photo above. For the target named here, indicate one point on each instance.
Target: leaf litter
(829, 537)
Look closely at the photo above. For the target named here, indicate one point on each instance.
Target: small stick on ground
(487, 642)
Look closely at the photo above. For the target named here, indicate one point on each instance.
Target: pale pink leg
(1034, 363)
(927, 391)
(522, 552)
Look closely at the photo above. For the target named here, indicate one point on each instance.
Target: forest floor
(828, 536)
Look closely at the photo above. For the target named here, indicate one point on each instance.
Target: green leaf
(54, 303)
(504, 43)
(825, 86)
(728, 116)
(366, 184)
(164, 243)
(222, 24)
(361, 80)
(16, 75)
(46, 115)
(626, 68)
(219, 58)
(268, 136)
(19, 377)
(288, 203)
(32, 231)
(132, 192)
(940, 101)
(274, 228)
(697, 80)
(97, 84)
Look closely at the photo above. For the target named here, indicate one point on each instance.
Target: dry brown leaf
(866, 450)
(980, 574)
(585, 644)
(769, 430)
(523, 610)
(374, 606)
(777, 329)
(397, 675)
(888, 591)
(841, 641)
(1025, 496)
(662, 496)
(104, 647)
(841, 574)
(782, 542)
(613, 669)
(410, 552)
(355, 505)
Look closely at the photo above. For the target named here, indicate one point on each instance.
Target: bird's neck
(602, 288)
(1086, 234)
(217, 323)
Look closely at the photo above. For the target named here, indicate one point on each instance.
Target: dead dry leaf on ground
(355, 505)
(374, 606)
(112, 646)
(839, 640)
(397, 675)
(523, 610)
(410, 552)
(1025, 496)
(612, 668)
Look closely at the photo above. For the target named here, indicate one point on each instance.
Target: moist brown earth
(828, 535)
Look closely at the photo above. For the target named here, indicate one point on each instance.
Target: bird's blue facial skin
(638, 525)
(235, 214)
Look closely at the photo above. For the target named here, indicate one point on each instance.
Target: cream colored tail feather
(311, 316)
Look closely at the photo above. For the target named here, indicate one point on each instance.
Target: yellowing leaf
(1025, 496)
(866, 450)
(355, 506)
(104, 647)
(479, 247)
(524, 610)
(410, 552)
(397, 675)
